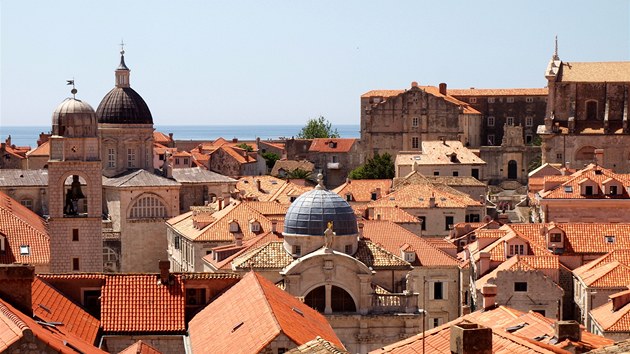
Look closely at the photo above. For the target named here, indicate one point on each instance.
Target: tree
(318, 128)
(377, 167)
(245, 147)
(270, 159)
(299, 173)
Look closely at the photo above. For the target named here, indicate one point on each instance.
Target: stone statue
(409, 283)
(328, 235)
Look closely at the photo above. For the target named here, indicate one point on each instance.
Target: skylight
(568, 189)
(610, 239)
(25, 250)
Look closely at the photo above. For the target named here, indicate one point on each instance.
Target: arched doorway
(340, 300)
(512, 170)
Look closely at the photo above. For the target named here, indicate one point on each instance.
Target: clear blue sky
(240, 62)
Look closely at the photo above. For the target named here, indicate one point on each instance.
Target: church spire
(122, 72)
(555, 52)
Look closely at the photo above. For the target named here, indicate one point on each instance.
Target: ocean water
(28, 135)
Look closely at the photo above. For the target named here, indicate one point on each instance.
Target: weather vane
(74, 90)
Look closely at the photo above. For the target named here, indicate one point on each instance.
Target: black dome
(123, 105)
(310, 213)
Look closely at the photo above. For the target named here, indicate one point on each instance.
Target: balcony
(395, 303)
(333, 165)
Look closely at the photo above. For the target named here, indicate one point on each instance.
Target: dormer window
(233, 226)
(568, 189)
(348, 197)
(588, 190)
(517, 249)
(612, 190)
(2, 244)
(555, 237)
(332, 144)
(254, 225)
(410, 256)
(609, 239)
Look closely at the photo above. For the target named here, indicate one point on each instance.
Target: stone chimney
(165, 274)
(599, 157)
(620, 300)
(219, 203)
(274, 226)
(568, 330)
(483, 265)
(432, 201)
(414, 84)
(443, 88)
(471, 338)
(489, 293)
(16, 281)
(360, 230)
(167, 168)
(258, 185)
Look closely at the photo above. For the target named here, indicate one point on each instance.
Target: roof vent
(298, 311)
(237, 327)
(515, 328)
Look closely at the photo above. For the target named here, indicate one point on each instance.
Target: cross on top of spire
(122, 47)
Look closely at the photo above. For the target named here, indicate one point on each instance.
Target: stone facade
(397, 120)
(125, 147)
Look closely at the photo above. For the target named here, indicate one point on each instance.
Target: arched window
(148, 206)
(586, 153)
(340, 300)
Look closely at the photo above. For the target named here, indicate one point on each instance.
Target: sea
(28, 135)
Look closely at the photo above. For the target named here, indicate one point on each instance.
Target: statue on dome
(328, 235)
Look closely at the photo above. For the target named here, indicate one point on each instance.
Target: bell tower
(75, 189)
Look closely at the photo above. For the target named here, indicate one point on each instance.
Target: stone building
(440, 158)
(400, 120)
(335, 158)
(587, 109)
(499, 107)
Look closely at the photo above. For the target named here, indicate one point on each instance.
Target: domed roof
(72, 112)
(310, 213)
(123, 105)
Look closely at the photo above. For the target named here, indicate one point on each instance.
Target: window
(517, 249)
(334, 159)
(559, 157)
(111, 158)
(423, 221)
(186, 161)
(448, 221)
(75, 235)
(529, 121)
(415, 142)
(555, 237)
(475, 173)
(131, 158)
(472, 100)
(414, 122)
(591, 110)
(473, 218)
(348, 249)
(520, 286)
(541, 312)
(509, 100)
(490, 99)
(438, 290)
(27, 203)
(455, 173)
(75, 264)
(509, 120)
(436, 322)
(254, 226)
(25, 250)
(436, 173)
(490, 139)
(297, 250)
(177, 242)
(148, 206)
(233, 226)
(177, 160)
(374, 196)
(195, 297)
(529, 139)
(529, 99)
(161, 157)
(349, 197)
(491, 121)
(282, 350)
(589, 190)
(1, 244)
(609, 239)
(568, 189)
(612, 190)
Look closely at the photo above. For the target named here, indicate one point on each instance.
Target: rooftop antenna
(74, 90)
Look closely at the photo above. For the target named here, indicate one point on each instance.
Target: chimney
(16, 282)
(568, 330)
(620, 300)
(258, 185)
(489, 292)
(220, 203)
(414, 84)
(235, 140)
(348, 180)
(443, 88)
(432, 201)
(360, 230)
(599, 157)
(274, 226)
(483, 265)
(164, 271)
(471, 338)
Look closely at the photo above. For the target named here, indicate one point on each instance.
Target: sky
(283, 62)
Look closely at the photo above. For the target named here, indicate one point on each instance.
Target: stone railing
(395, 303)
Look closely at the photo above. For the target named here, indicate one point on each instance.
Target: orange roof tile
(22, 227)
(612, 321)
(418, 196)
(592, 172)
(140, 303)
(393, 214)
(140, 347)
(52, 306)
(332, 145)
(361, 189)
(391, 237)
(59, 338)
(499, 92)
(248, 187)
(263, 312)
(42, 150)
(161, 138)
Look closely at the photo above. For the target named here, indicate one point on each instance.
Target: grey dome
(123, 105)
(310, 213)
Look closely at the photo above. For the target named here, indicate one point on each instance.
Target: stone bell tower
(75, 189)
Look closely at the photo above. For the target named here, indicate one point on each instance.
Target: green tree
(377, 167)
(245, 147)
(299, 173)
(270, 159)
(318, 128)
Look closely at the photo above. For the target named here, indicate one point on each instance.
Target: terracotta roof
(161, 138)
(271, 255)
(377, 257)
(42, 150)
(439, 153)
(393, 214)
(418, 196)
(52, 306)
(612, 321)
(269, 185)
(429, 89)
(291, 165)
(595, 72)
(317, 346)
(361, 189)
(140, 347)
(499, 92)
(22, 227)
(382, 93)
(226, 263)
(332, 145)
(239, 155)
(268, 208)
(391, 237)
(289, 191)
(549, 266)
(141, 303)
(592, 172)
(263, 312)
(607, 276)
(14, 324)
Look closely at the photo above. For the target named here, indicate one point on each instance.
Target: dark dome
(310, 213)
(123, 105)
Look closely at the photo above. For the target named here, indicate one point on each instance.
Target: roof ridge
(269, 307)
(13, 317)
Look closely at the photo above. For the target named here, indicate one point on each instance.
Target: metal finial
(122, 47)
(320, 181)
(74, 90)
